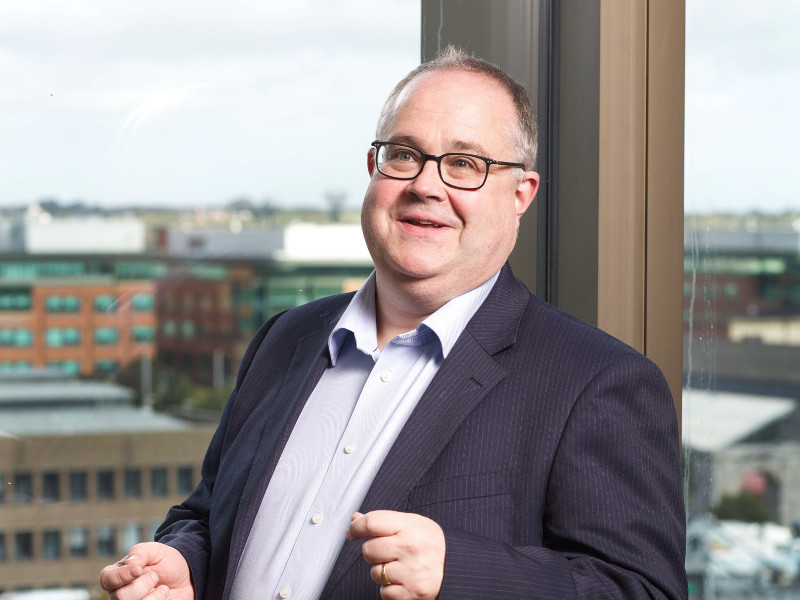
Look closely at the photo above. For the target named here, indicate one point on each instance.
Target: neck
(398, 310)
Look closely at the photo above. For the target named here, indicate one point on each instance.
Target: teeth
(426, 223)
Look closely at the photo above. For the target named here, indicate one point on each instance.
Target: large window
(158, 482)
(105, 336)
(105, 303)
(105, 484)
(23, 545)
(15, 299)
(143, 333)
(106, 540)
(133, 483)
(51, 544)
(185, 480)
(62, 304)
(741, 309)
(16, 337)
(23, 487)
(77, 485)
(51, 487)
(78, 540)
(56, 337)
(145, 145)
(68, 367)
(143, 302)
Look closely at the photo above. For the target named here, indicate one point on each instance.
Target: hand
(151, 571)
(410, 547)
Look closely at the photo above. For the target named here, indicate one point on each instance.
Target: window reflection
(741, 425)
(158, 207)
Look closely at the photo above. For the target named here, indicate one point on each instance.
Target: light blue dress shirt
(339, 442)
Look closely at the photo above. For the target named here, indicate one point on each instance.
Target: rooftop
(44, 405)
(715, 420)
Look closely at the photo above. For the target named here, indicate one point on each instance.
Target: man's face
(421, 232)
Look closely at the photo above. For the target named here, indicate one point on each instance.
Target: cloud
(193, 102)
(155, 103)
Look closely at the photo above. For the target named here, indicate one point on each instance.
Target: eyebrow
(457, 145)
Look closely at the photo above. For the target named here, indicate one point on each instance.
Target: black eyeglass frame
(438, 159)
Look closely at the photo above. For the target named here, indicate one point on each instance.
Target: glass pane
(51, 545)
(156, 176)
(185, 480)
(78, 542)
(131, 534)
(23, 541)
(105, 485)
(741, 303)
(50, 487)
(106, 540)
(158, 482)
(77, 485)
(105, 303)
(133, 483)
(23, 487)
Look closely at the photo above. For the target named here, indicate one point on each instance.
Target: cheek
(496, 230)
(373, 219)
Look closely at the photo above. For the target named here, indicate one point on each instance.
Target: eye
(462, 162)
(402, 155)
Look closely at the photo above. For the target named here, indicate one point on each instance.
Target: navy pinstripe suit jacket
(547, 450)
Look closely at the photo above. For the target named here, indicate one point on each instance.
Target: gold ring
(383, 575)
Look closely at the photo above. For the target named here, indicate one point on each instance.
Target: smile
(423, 223)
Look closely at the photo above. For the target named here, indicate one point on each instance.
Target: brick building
(85, 475)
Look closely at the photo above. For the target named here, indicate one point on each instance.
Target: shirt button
(350, 448)
(316, 519)
(386, 375)
(285, 592)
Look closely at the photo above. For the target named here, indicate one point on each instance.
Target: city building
(191, 303)
(82, 314)
(85, 475)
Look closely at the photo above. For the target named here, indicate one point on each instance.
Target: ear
(526, 192)
(371, 161)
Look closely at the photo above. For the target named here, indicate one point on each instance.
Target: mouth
(422, 223)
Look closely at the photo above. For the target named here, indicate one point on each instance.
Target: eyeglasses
(460, 171)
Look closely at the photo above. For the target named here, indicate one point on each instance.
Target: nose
(428, 184)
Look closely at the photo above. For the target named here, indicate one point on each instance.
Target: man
(443, 433)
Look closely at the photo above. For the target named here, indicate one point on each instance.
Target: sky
(742, 132)
(196, 103)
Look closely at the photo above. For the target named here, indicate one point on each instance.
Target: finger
(391, 570)
(119, 574)
(395, 592)
(380, 549)
(140, 588)
(376, 523)
(159, 593)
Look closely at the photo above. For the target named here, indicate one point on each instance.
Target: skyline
(105, 104)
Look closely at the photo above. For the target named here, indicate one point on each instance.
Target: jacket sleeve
(614, 523)
(186, 527)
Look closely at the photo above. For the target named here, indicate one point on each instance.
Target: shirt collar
(446, 324)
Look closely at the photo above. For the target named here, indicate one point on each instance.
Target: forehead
(454, 109)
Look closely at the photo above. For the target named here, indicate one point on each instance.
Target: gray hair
(523, 135)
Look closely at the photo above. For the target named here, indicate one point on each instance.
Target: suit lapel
(465, 378)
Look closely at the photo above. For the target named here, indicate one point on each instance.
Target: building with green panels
(93, 315)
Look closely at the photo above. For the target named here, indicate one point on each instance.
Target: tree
(744, 506)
